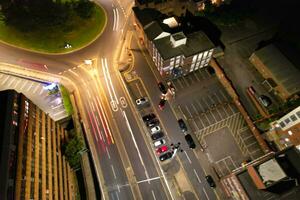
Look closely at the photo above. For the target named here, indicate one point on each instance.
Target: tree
(71, 149)
(84, 8)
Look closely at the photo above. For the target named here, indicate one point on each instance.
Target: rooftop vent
(178, 39)
(171, 22)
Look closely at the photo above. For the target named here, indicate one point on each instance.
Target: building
(273, 176)
(168, 7)
(32, 165)
(280, 74)
(286, 130)
(174, 51)
(175, 7)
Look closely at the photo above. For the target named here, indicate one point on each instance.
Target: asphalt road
(187, 158)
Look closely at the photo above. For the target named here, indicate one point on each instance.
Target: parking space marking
(36, 87)
(179, 82)
(194, 73)
(190, 78)
(25, 82)
(188, 157)
(195, 124)
(199, 115)
(205, 193)
(185, 81)
(199, 104)
(139, 89)
(225, 96)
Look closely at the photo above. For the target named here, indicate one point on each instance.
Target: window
(298, 114)
(287, 120)
(194, 58)
(293, 118)
(282, 124)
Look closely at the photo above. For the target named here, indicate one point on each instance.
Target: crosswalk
(51, 104)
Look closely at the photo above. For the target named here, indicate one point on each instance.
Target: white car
(155, 129)
(159, 142)
(141, 101)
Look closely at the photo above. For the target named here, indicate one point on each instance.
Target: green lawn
(66, 99)
(50, 40)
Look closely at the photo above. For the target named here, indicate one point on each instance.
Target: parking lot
(208, 109)
(51, 104)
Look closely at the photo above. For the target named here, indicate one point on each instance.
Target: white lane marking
(118, 18)
(118, 196)
(188, 157)
(95, 119)
(197, 176)
(89, 94)
(99, 129)
(153, 195)
(30, 86)
(108, 155)
(110, 81)
(114, 19)
(150, 179)
(205, 193)
(118, 188)
(106, 79)
(123, 102)
(135, 144)
(113, 170)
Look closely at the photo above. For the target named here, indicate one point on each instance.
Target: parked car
(159, 142)
(165, 156)
(141, 101)
(153, 122)
(161, 149)
(149, 117)
(190, 141)
(182, 125)
(162, 88)
(265, 100)
(210, 181)
(162, 104)
(155, 129)
(157, 136)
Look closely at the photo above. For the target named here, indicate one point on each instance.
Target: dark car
(182, 125)
(149, 117)
(153, 122)
(210, 181)
(190, 141)
(165, 156)
(162, 104)
(162, 88)
(158, 135)
(265, 100)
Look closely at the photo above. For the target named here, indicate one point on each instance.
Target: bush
(66, 99)
(71, 149)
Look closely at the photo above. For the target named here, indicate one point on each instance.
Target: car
(265, 100)
(157, 135)
(141, 101)
(210, 181)
(188, 138)
(162, 104)
(155, 129)
(182, 125)
(149, 117)
(162, 88)
(159, 142)
(161, 149)
(165, 156)
(153, 122)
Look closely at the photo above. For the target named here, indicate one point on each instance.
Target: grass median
(79, 33)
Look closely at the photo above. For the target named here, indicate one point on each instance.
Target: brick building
(174, 51)
(32, 165)
(280, 74)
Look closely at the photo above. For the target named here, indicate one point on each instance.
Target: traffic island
(73, 34)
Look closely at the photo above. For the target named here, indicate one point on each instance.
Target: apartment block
(174, 51)
(32, 165)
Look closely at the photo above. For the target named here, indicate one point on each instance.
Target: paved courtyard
(212, 116)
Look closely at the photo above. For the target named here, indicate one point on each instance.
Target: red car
(161, 149)
(162, 104)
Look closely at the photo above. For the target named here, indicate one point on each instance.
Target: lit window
(15, 123)
(287, 120)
